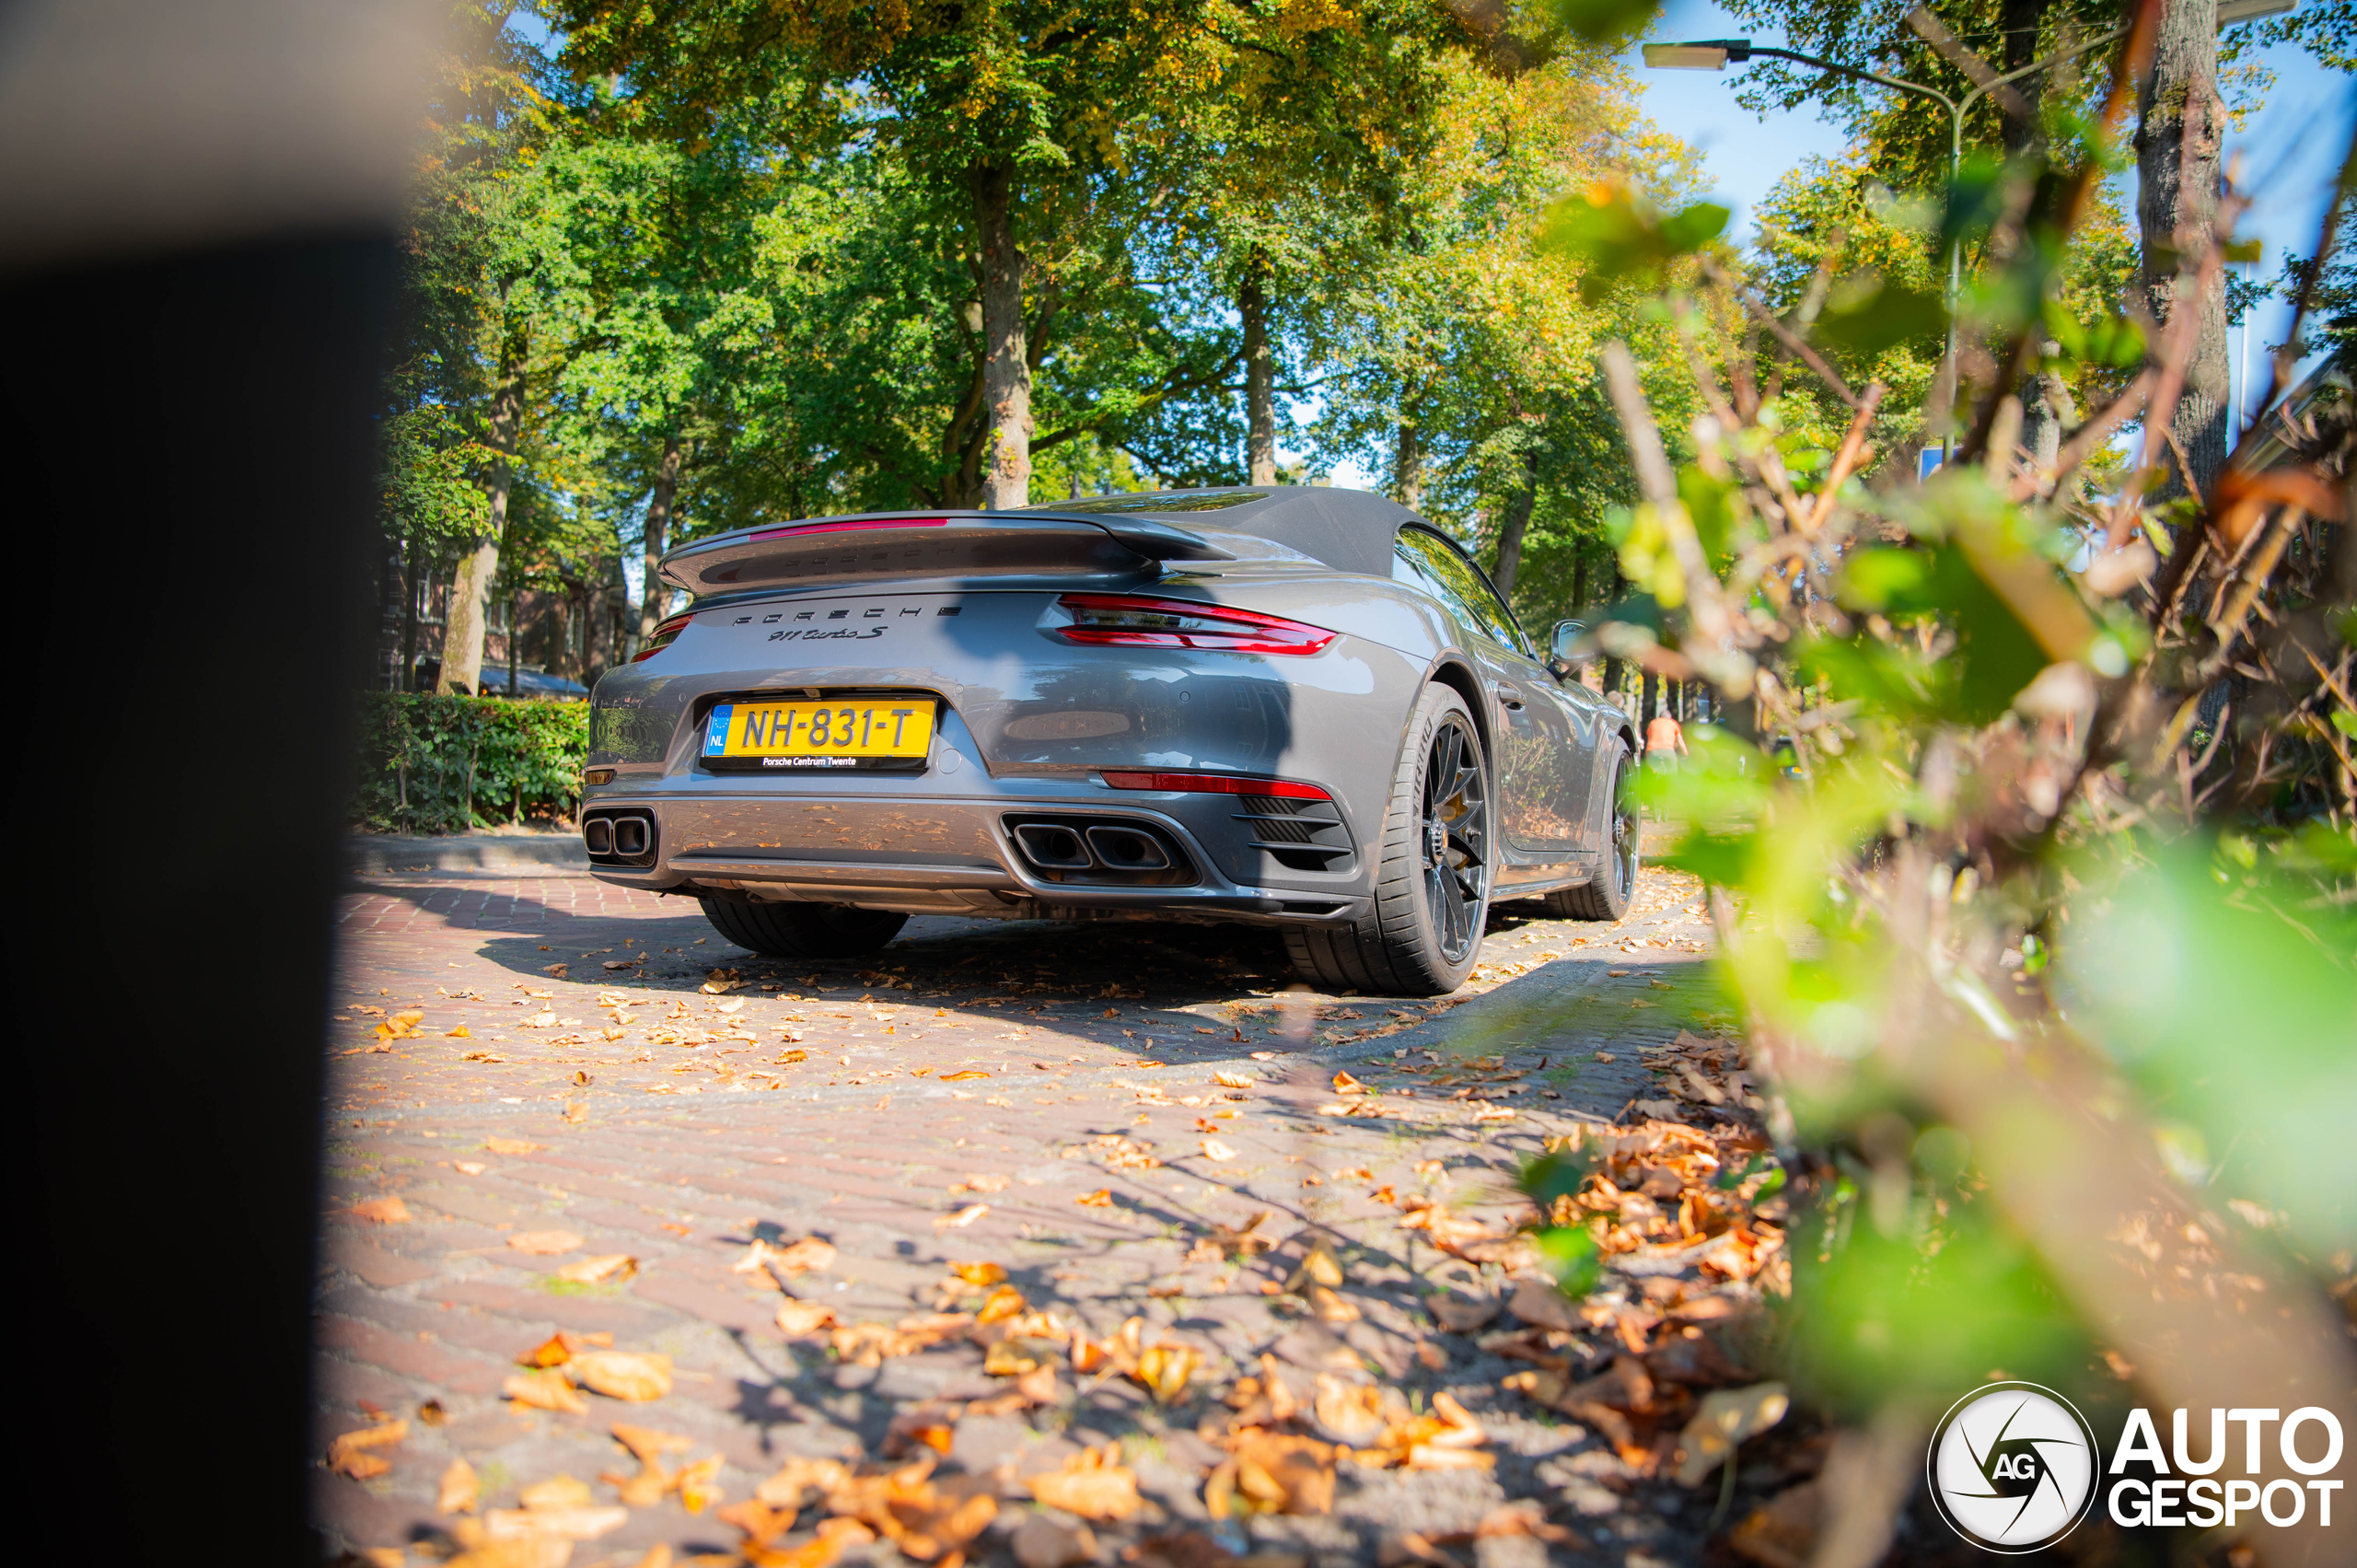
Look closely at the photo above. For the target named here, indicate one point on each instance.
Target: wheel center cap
(1436, 840)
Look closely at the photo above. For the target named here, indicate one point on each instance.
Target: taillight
(665, 635)
(1131, 620)
(1215, 783)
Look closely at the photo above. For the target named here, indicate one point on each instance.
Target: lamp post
(1717, 54)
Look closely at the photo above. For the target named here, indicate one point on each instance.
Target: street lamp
(1717, 54)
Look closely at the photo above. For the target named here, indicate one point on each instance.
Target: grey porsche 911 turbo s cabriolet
(1296, 706)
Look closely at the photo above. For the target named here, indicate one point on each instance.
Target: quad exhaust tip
(619, 836)
(1056, 848)
(1127, 849)
(1096, 850)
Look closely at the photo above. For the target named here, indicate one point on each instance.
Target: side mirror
(1566, 649)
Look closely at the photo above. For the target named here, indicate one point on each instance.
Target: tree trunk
(1007, 367)
(2042, 393)
(652, 596)
(1259, 373)
(1613, 667)
(1408, 461)
(2021, 21)
(511, 642)
(1518, 520)
(2177, 149)
(471, 588)
(413, 584)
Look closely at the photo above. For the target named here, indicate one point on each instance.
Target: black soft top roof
(1349, 530)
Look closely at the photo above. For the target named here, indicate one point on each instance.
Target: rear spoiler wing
(936, 544)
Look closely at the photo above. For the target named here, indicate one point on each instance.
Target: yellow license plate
(860, 732)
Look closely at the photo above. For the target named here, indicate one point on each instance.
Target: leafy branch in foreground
(2032, 850)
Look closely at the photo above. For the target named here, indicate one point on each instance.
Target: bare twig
(1982, 74)
(1844, 460)
(1784, 335)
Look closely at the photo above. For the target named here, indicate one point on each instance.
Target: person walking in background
(1664, 741)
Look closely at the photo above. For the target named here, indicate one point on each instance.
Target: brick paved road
(661, 1093)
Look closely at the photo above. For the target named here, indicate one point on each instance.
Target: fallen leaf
(1234, 1080)
(963, 1217)
(799, 1317)
(795, 1481)
(1004, 1302)
(983, 1275)
(1093, 1483)
(560, 1524)
(645, 1444)
(1215, 1150)
(349, 1453)
(1330, 1307)
(1540, 1305)
(461, 1032)
(1346, 1085)
(594, 1271)
(1724, 1421)
(544, 1390)
(382, 1211)
(623, 1375)
(1782, 1532)
(808, 1255)
(469, 1167)
(557, 1491)
(926, 1519)
(961, 1077)
(460, 1489)
(1319, 1265)
(1460, 1315)
(1269, 1472)
(1237, 1241)
(544, 1243)
(698, 1483)
(1042, 1541)
(1101, 1198)
(512, 1146)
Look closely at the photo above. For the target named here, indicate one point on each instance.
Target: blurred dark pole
(196, 266)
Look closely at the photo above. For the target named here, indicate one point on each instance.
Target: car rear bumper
(939, 854)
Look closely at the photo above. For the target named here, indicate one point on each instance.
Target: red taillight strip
(861, 526)
(1279, 636)
(1215, 783)
(664, 636)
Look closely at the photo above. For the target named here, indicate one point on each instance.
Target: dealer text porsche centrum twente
(1301, 707)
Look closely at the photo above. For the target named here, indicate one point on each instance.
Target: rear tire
(1432, 889)
(803, 931)
(1608, 897)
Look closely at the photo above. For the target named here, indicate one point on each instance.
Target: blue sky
(2292, 145)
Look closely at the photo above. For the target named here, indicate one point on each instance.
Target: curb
(377, 854)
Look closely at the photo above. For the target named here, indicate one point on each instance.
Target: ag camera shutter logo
(2013, 1468)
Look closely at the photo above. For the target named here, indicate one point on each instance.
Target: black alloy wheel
(1455, 839)
(1421, 934)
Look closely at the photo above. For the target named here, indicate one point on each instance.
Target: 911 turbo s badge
(812, 635)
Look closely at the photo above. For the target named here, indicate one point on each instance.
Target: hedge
(435, 764)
